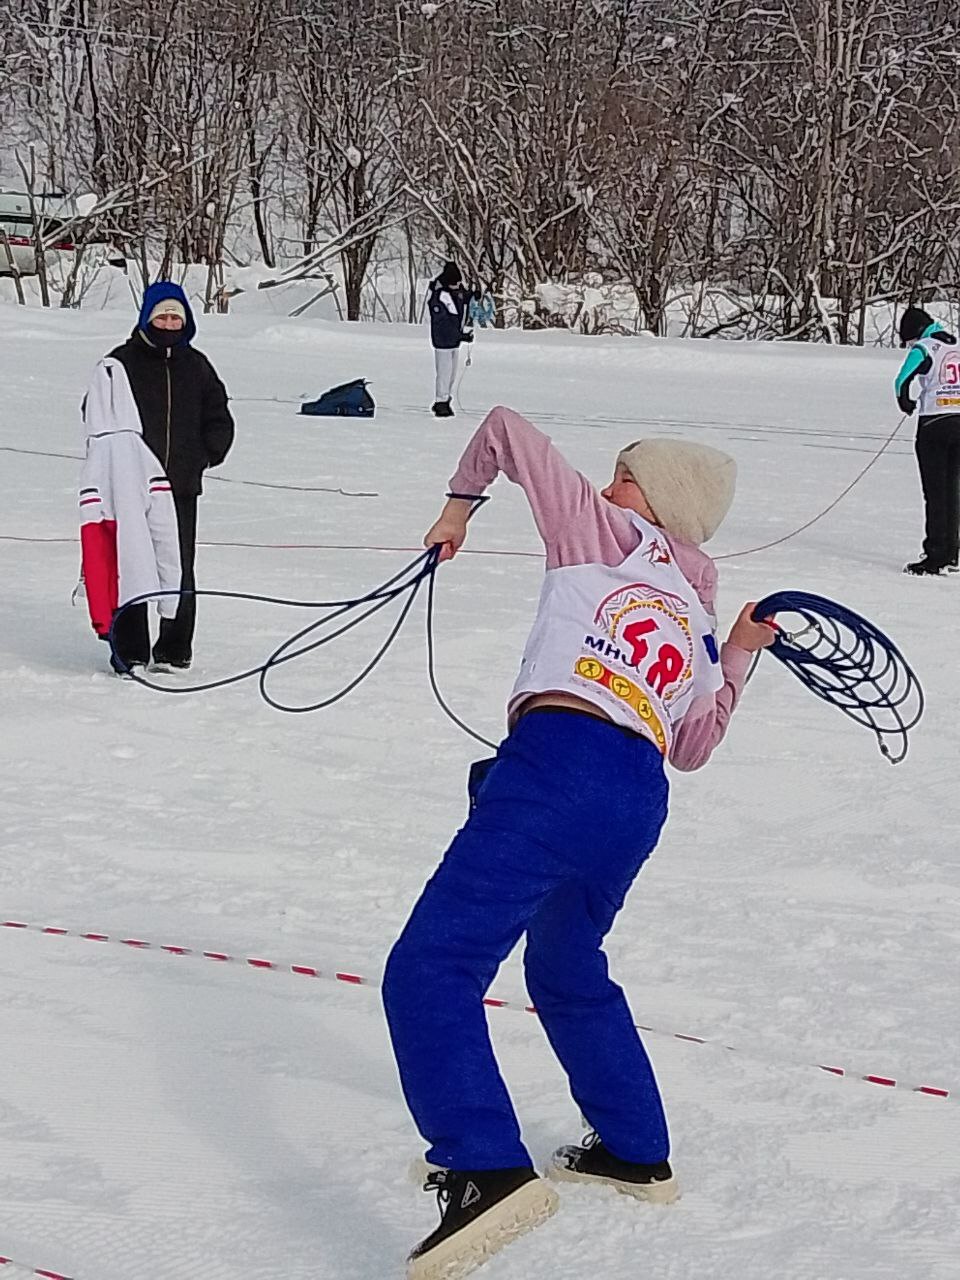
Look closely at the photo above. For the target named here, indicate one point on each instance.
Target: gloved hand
(907, 405)
(468, 336)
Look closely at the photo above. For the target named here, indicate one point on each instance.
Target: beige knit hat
(168, 307)
(689, 487)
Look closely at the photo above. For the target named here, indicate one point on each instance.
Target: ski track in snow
(169, 1120)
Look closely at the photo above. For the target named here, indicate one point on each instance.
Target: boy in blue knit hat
(186, 423)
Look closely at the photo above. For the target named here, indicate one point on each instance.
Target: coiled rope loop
(848, 662)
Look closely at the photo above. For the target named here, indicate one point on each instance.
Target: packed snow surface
(166, 1117)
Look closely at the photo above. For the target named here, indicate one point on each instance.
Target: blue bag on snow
(349, 400)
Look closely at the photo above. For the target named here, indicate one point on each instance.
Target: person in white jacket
(128, 522)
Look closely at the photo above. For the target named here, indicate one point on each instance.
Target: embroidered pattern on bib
(628, 692)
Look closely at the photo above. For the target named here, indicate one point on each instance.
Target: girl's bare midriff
(558, 698)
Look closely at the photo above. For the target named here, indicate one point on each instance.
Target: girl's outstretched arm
(577, 525)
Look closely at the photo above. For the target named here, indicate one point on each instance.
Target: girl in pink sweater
(621, 673)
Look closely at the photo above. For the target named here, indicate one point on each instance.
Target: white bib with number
(632, 638)
(940, 388)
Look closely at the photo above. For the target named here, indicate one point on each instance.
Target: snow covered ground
(165, 1117)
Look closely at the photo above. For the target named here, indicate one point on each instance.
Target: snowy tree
(782, 165)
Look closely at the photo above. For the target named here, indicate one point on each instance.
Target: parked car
(54, 210)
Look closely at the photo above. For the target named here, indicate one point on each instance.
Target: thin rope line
(258, 484)
(765, 546)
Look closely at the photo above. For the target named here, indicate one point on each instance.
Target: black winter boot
(481, 1211)
(442, 409)
(162, 663)
(925, 568)
(592, 1162)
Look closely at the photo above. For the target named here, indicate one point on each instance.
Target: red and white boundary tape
(32, 1271)
(356, 979)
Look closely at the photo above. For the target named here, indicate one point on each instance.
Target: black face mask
(164, 338)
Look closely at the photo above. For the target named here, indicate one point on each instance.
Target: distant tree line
(798, 158)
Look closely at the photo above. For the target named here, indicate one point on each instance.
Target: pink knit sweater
(578, 526)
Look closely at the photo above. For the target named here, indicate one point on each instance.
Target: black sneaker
(592, 1162)
(161, 663)
(481, 1211)
(442, 409)
(924, 568)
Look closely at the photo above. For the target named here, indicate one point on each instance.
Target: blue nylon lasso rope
(407, 582)
(840, 656)
(848, 662)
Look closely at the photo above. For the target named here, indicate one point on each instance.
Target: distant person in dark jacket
(929, 378)
(448, 302)
(187, 425)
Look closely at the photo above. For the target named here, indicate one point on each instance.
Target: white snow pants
(446, 363)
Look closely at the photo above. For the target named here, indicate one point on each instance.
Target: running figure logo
(657, 553)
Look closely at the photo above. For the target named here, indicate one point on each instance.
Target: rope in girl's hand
(840, 656)
(849, 663)
(407, 582)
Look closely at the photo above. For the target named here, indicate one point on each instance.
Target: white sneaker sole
(665, 1192)
(512, 1217)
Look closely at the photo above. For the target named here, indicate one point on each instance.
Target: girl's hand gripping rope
(750, 635)
(450, 530)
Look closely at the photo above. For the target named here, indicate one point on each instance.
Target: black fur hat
(450, 276)
(912, 324)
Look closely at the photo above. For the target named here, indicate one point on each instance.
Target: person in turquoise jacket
(929, 380)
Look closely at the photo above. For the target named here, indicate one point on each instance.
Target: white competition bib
(940, 388)
(632, 638)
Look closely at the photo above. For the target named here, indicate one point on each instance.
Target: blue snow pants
(563, 822)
